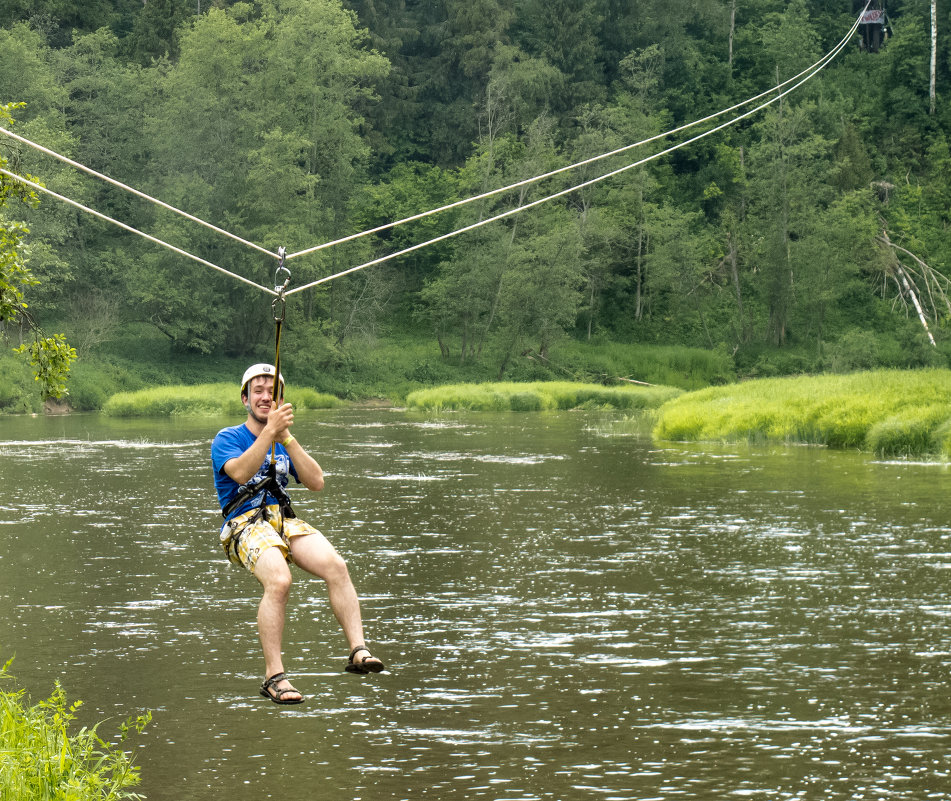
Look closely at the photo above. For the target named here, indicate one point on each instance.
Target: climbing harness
(265, 486)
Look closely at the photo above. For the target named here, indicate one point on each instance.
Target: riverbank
(886, 412)
(220, 399)
(387, 370)
(208, 400)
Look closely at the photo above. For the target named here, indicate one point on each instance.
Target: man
(262, 534)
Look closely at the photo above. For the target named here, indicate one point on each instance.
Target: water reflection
(568, 614)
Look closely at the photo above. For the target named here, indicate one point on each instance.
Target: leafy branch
(50, 356)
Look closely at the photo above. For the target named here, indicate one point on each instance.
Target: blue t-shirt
(229, 443)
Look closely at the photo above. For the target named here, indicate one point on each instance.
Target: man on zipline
(262, 533)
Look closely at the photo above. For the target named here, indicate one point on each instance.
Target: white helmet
(256, 370)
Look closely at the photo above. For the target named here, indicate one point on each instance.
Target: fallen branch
(936, 285)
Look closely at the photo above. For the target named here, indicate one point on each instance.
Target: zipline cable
(563, 192)
(817, 66)
(101, 216)
(134, 191)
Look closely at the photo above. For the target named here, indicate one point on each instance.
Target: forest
(810, 236)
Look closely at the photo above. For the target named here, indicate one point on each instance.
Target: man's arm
(244, 467)
(308, 471)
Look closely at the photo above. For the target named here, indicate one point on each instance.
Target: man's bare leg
(275, 576)
(315, 554)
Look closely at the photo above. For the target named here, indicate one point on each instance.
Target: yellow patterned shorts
(255, 538)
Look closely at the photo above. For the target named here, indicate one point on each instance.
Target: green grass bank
(538, 396)
(209, 400)
(887, 412)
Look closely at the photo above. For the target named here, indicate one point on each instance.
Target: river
(566, 613)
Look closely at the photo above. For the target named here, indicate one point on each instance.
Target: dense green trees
(294, 122)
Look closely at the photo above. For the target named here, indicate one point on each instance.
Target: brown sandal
(363, 666)
(279, 698)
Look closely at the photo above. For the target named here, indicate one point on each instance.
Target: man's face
(259, 397)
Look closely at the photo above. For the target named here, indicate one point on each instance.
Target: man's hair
(245, 390)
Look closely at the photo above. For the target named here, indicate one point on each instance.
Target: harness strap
(269, 484)
(232, 550)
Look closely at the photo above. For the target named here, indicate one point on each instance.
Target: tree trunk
(735, 277)
(591, 297)
(914, 299)
(443, 348)
(498, 287)
(639, 284)
(732, 31)
(934, 52)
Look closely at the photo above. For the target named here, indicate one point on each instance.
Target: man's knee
(336, 569)
(279, 585)
(332, 568)
(273, 573)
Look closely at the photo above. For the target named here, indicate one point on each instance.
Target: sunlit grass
(202, 400)
(43, 756)
(538, 396)
(889, 412)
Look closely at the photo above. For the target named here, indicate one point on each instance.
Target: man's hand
(279, 420)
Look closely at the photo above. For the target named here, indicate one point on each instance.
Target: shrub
(41, 759)
(19, 393)
(854, 350)
(667, 365)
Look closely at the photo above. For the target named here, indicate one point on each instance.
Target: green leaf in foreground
(42, 757)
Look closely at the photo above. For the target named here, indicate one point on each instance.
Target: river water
(567, 613)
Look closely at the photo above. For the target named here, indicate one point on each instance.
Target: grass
(537, 396)
(667, 365)
(389, 366)
(888, 412)
(42, 760)
(205, 400)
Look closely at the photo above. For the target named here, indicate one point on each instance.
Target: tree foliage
(296, 122)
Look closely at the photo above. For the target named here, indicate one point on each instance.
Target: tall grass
(41, 760)
(201, 400)
(537, 396)
(19, 393)
(667, 365)
(888, 412)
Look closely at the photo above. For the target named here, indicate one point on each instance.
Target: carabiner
(280, 287)
(278, 301)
